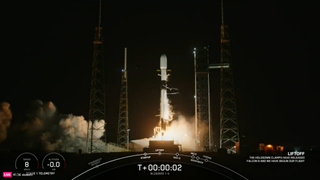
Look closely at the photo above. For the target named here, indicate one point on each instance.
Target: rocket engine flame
(181, 131)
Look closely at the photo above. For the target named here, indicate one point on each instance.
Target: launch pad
(163, 146)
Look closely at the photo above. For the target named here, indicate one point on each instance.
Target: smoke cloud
(48, 130)
(5, 119)
(182, 131)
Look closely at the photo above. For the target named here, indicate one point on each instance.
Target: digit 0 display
(53, 162)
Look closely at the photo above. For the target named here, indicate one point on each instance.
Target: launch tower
(203, 121)
(202, 99)
(229, 132)
(97, 109)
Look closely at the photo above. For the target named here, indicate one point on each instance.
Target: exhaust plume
(182, 132)
(5, 118)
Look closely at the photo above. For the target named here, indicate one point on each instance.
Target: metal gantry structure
(203, 128)
(97, 107)
(229, 131)
(123, 121)
(202, 99)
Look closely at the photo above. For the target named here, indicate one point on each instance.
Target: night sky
(47, 54)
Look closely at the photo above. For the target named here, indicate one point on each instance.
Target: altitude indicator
(53, 162)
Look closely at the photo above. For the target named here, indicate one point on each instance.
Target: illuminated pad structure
(162, 146)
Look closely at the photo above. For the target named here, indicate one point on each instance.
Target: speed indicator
(27, 162)
(53, 162)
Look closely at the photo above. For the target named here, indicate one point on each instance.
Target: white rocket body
(164, 103)
(163, 67)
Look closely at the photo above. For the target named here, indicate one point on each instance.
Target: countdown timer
(161, 167)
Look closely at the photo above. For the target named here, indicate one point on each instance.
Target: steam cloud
(50, 131)
(46, 129)
(5, 120)
(182, 130)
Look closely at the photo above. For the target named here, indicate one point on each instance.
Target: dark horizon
(48, 55)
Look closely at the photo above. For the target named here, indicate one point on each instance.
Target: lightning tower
(229, 132)
(97, 109)
(123, 121)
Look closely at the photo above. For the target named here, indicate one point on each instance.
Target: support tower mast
(123, 121)
(202, 99)
(97, 108)
(229, 132)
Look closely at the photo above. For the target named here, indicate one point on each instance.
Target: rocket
(164, 102)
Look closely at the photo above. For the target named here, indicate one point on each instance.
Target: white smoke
(5, 118)
(182, 131)
(50, 131)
